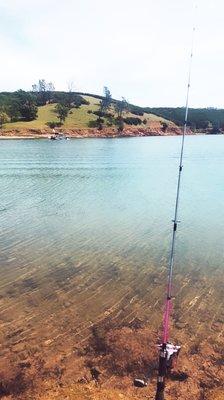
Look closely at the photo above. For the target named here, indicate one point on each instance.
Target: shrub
(96, 123)
(4, 118)
(136, 112)
(120, 124)
(164, 126)
(53, 124)
(98, 113)
(133, 121)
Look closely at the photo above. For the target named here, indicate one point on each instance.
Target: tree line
(23, 105)
(202, 119)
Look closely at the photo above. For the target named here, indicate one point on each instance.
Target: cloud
(139, 49)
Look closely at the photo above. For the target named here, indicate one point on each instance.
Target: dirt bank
(153, 130)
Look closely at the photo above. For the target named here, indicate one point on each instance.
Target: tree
(13, 111)
(26, 105)
(49, 91)
(35, 88)
(42, 85)
(4, 118)
(106, 101)
(105, 104)
(28, 111)
(70, 99)
(62, 111)
(44, 91)
(121, 107)
(71, 86)
(50, 87)
(215, 128)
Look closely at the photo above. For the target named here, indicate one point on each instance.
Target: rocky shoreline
(91, 132)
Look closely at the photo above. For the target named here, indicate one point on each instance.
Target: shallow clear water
(90, 221)
(111, 196)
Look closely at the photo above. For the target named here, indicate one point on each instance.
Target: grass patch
(45, 114)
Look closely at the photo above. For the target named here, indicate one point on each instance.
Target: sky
(138, 48)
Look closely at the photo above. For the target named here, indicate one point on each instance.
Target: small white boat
(59, 136)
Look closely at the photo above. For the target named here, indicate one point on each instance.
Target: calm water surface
(115, 196)
(84, 219)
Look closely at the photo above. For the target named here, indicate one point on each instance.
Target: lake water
(86, 228)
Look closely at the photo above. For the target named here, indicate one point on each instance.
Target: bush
(53, 124)
(164, 126)
(96, 123)
(137, 112)
(120, 124)
(108, 115)
(4, 118)
(133, 121)
(98, 113)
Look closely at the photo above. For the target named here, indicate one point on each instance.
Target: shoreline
(83, 137)
(93, 133)
(35, 137)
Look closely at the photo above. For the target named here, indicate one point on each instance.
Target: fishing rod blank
(165, 351)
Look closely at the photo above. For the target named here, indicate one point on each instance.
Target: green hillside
(78, 118)
(35, 109)
(204, 119)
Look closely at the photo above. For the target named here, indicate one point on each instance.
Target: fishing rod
(167, 350)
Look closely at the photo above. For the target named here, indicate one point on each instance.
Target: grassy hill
(78, 118)
(33, 110)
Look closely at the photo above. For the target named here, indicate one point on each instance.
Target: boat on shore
(58, 136)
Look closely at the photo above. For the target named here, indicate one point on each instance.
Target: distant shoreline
(92, 133)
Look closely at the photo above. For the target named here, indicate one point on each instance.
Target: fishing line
(165, 346)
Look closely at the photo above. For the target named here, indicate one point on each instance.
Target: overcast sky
(138, 48)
